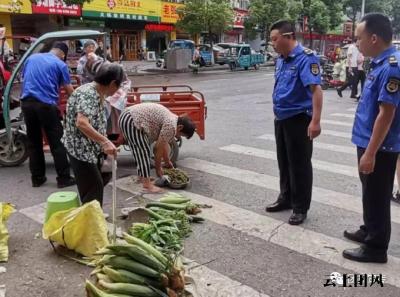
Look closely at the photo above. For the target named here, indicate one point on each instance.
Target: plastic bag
(82, 229)
(6, 209)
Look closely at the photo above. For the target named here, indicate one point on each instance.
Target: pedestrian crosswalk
(320, 145)
(301, 240)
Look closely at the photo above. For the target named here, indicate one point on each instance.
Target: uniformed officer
(297, 99)
(376, 133)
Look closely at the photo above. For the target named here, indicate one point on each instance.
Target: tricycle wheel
(18, 155)
(325, 85)
(173, 153)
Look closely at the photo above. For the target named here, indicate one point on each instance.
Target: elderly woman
(85, 129)
(146, 123)
(85, 75)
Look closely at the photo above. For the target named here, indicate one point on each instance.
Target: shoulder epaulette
(393, 61)
(307, 51)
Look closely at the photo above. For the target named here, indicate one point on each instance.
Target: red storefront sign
(159, 27)
(240, 16)
(56, 7)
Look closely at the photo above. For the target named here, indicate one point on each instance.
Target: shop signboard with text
(56, 7)
(141, 10)
(169, 13)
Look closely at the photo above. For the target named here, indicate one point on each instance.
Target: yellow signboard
(169, 12)
(24, 6)
(145, 10)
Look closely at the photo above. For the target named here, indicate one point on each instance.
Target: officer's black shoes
(297, 218)
(65, 182)
(339, 92)
(357, 236)
(366, 255)
(278, 206)
(38, 181)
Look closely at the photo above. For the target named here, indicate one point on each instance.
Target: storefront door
(125, 46)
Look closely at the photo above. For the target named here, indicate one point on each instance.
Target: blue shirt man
(297, 99)
(293, 76)
(376, 133)
(43, 75)
(382, 86)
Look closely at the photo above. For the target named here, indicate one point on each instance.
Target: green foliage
(206, 16)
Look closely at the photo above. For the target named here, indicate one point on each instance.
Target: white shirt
(352, 55)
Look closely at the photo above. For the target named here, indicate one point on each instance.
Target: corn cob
(147, 247)
(138, 254)
(129, 289)
(128, 264)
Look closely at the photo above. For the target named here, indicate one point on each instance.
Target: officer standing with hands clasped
(297, 99)
(376, 133)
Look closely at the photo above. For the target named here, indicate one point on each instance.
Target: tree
(263, 13)
(391, 8)
(206, 16)
(322, 15)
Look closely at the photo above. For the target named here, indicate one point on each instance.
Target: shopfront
(125, 21)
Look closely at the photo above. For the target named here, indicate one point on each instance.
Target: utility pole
(363, 8)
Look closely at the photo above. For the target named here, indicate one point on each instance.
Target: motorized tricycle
(13, 140)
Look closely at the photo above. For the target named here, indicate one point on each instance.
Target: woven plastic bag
(6, 209)
(82, 229)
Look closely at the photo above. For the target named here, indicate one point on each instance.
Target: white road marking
(320, 195)
(337, 123)
(343, 115)
(36, 212)
(320, 145)
(295, 238)
(210, 283)
(352, 109)
(336, 133)
(317, 164)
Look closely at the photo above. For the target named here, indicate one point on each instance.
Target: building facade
(133, 26)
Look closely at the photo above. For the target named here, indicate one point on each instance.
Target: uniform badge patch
(393, 85)
(315, 68)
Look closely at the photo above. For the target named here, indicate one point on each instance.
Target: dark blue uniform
(292, 98)
(382, 86)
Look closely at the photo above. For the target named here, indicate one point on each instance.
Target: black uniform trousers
(377, 189)
(294, 152)
(41, 117)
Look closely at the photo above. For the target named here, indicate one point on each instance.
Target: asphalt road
(245, 251)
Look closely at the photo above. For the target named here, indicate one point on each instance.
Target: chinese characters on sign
(159, 28)
(56, 7)
(169, 12)
(354, 280)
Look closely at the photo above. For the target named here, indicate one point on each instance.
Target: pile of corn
(134, 267)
